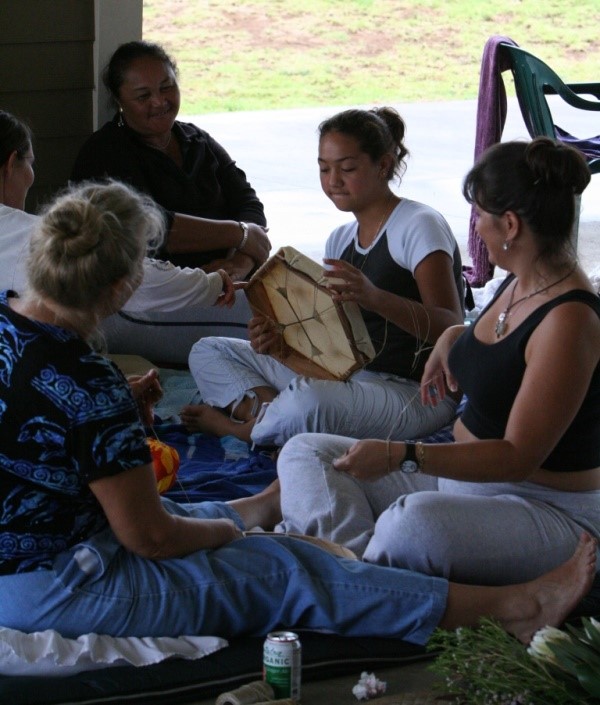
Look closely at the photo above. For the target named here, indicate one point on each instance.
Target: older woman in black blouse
(215, 218)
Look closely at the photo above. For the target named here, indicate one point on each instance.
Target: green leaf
(589, 678)
(592, 632)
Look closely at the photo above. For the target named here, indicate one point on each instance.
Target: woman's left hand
(348, 283)
(147, 392)
(265, 337)
(365, 460)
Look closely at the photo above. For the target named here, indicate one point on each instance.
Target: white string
(404, 409)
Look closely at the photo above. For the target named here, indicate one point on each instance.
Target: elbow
(519, 467)
(154, 545)
(148, 549)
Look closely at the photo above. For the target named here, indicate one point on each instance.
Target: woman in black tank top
(511, 496)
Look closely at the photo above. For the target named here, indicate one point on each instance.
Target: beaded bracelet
(245, 231)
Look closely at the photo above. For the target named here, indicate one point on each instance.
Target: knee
(202, 350)
(306, 450)
(297, 449)
(291, 413)
(413, 534)
(309, 404)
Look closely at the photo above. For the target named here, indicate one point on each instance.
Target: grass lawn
(268, 54)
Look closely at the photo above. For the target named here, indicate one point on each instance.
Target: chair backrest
(534, 80)
(530, 76)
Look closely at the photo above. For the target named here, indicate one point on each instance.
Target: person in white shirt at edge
(164, 317)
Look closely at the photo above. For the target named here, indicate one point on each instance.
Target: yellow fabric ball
(165, 460)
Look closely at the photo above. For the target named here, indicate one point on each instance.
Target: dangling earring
(120, 121)
(506, 246)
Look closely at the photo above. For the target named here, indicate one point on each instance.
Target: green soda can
(282, 664)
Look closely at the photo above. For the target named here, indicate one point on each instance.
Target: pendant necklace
(501, 323)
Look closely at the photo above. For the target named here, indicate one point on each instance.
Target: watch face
(409, 466)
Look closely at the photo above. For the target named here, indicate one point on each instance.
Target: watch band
(411, 452)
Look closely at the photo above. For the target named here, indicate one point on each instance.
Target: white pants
(368, 405)
(478, 533)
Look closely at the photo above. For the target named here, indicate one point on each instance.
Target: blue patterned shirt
(67, 417)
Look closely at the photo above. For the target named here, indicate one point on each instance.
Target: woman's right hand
(227, 296)
(264, 336)
(436, 374)
(258, 245)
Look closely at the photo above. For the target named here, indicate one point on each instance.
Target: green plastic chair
(534, 80)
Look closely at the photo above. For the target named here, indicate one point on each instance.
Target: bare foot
(548, 600)
(525, 608)
(262, 509)
(202, 418)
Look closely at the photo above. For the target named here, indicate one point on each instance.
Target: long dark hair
(15, 136)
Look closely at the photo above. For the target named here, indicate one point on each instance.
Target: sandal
(255, 406)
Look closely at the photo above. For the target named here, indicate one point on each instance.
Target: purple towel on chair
(491, 116)
(589, 146)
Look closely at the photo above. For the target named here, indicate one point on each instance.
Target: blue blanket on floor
(215, 468)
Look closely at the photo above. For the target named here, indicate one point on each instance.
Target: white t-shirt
(15, 231)
(414, 230)
(164, 287)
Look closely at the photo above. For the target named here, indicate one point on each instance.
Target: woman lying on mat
(508, 500)
(89, 546)
(398, 260)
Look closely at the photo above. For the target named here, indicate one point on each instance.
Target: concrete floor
(278, 151)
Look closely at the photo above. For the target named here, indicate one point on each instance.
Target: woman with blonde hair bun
(86, 256)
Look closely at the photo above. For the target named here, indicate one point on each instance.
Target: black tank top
(490, 377)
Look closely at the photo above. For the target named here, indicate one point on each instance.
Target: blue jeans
(250, 586)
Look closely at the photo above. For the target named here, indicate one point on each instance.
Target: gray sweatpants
(478, 533)
(368, 405)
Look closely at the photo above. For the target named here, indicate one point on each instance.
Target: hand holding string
(227, 295)
(146, 391)
(436, 374)
(348, 283)
(366, 460)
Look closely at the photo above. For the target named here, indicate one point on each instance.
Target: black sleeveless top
(490, 375)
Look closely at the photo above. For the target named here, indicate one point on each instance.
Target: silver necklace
(501, 323)
(387, 213)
